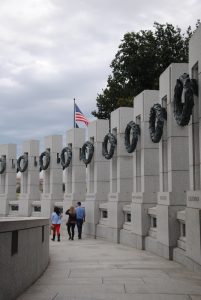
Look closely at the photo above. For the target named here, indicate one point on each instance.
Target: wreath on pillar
(183, 110)
(157, 117)
(45, 154)
(87, 152)
(135, 128)
(66, 162)
(23, 158)
(2, 164)
(111, 139)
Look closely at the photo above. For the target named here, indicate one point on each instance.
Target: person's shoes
(58, 237)
(69, 238)
(53, 238)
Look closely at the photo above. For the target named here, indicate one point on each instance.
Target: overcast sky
(52, 51)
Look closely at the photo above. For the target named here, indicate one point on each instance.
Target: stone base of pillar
(171, 198)
(47, 208)
(93, 214)
(140, 218)
(89, 230)
(109, 229)
(167, 231)
(115, 209)
(25, 205)
(154, 246)
(194, 199)
(193, 233)
(179, 255)
(131, 239)
(71, 200)
(168, 227)
(48, 201)
(4, 205)
(193, 228)
(108, 233)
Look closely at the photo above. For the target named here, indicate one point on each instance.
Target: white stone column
(75, 173)
(8, 179)
(121, 174)
(193, 210)
(145, 170)
(173, 164)
(97, 176)
(52, 177)
(29, 179)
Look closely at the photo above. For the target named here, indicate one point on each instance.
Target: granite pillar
(29, 179)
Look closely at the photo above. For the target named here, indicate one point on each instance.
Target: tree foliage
(141, 58)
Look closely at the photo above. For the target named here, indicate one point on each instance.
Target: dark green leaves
(141, 58)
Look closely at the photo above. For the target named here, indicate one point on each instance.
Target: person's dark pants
(79, 228)
(70, 228)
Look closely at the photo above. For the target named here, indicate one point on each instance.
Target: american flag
(79, 116)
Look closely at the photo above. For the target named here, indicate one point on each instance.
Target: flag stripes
(79, 116)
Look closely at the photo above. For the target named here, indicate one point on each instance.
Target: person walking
(80, 217)
(71, 222)
(56, 223)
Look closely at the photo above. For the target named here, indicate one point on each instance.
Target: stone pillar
(193, 210)
(52, 177)
(8, 178)
(173, 164)
(75, 173)
(145, 169)
(98, 176)
(121, 174)
(29, 179)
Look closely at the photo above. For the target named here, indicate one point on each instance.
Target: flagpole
(74, 114)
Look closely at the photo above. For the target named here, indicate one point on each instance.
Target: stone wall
(24, 253)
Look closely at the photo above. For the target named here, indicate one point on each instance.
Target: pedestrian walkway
(91, 269)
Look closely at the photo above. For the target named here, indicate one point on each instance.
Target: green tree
(141, 58)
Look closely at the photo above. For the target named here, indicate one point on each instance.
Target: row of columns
(148, 199)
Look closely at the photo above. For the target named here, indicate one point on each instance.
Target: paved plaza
(90, 269)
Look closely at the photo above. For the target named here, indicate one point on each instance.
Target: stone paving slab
(98, 270)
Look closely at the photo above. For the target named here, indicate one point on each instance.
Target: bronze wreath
(2, 164)
(68, 152)
(45, 154)
(183, 111)
(157, 117)
(130, 146)
(87, 145)
(23, 157)
(113, 141)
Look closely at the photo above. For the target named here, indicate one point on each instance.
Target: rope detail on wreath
(23, 158)
(2, 164)
(45, 154)
(109, 138)
(157, 117)
(66, 162)
(183, 109)
(135, 129)
(87, 152)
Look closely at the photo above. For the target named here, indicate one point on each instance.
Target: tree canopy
(141, 58)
